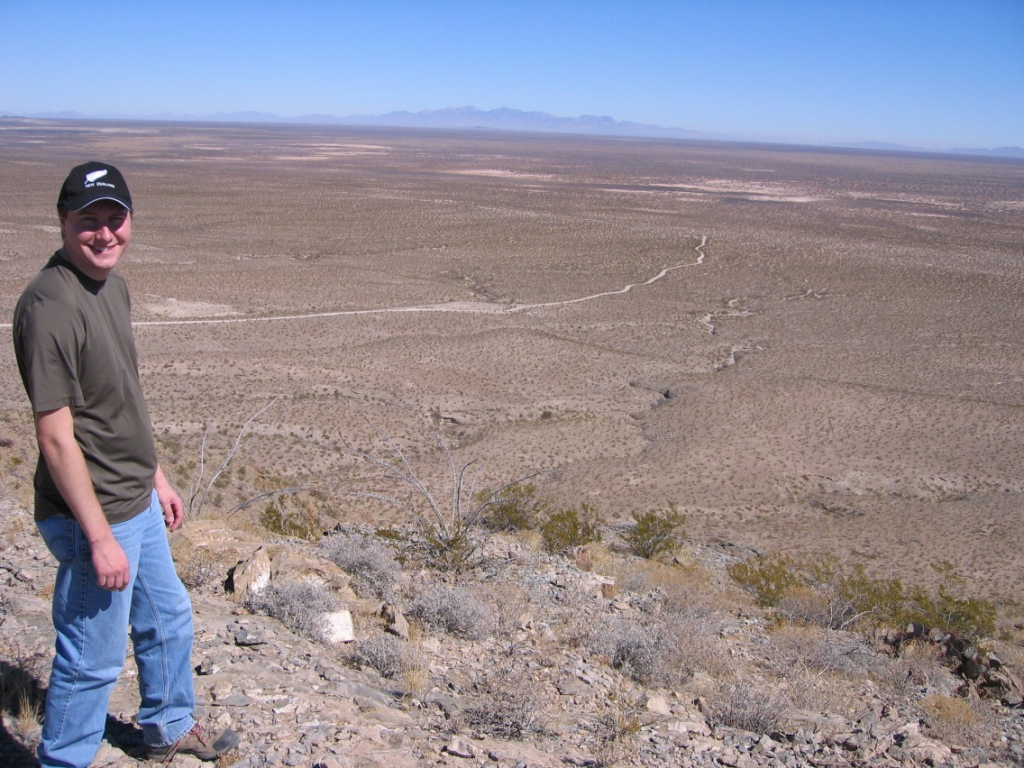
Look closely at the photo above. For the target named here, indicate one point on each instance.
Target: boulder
(338, 627)
(394, 621)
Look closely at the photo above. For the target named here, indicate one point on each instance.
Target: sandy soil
(817, 351)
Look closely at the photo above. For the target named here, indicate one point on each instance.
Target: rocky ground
(587, 658)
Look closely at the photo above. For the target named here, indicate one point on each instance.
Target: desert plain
(807, 351)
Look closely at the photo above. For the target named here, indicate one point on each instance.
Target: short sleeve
(47, 345)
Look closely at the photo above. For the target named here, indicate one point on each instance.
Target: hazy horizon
(929, 75)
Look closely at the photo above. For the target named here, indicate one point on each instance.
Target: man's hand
(111, 565)
(170, 501)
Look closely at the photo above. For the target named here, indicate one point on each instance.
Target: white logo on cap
(91, 177)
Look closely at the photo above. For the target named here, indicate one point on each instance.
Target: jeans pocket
(58, 531)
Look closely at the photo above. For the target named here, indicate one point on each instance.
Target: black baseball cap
(90, 182)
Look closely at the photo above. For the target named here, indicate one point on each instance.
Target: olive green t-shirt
(74, 346)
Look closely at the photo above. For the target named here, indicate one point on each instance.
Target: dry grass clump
(369, 561)
(299, 605)
(456, 610)
(20, 672)
(951, 720)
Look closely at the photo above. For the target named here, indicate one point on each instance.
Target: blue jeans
(92, 626)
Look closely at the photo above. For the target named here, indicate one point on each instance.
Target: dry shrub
(509, 704)
(383, 652)
(748, 707)
(616, 730)
(651, 654)
(819, 651)
(918, 665)
(456, 610)
(368, 560)
(198, 568)
(815, 663)
(512, 608)
(951, 720)
(299, 605)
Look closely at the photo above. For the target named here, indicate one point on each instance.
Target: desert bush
(385, 653)
(453, 609)
(650, 654)
(950, 610)
(749, 707)
(654, 532)
(769, 578)
(303, 523)
(814, 651)
(829, 594)
(299, 605)
(570, 528)
(517, 508)
(367, 559)
(509, 704)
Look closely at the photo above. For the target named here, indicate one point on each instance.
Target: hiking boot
(198, 742)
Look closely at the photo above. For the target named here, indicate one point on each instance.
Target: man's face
(96, 237)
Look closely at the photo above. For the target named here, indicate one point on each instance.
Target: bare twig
(197, 489)
(447, 534)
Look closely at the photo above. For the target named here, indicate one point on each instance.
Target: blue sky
(930, 73)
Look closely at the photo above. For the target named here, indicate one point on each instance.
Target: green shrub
(829, 594)
(303, 524)
(655, 532)
(770, 578)
(951, 611)
(569, 528)
(514, 509)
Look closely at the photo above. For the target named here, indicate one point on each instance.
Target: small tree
(655, 532)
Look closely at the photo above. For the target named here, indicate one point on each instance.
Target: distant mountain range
(502, 119)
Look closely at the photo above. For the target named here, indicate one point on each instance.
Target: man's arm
(170, 501)
(55, 432)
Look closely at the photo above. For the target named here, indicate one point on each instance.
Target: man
(101, 499)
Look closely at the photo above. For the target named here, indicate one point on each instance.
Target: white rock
(339, 627)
